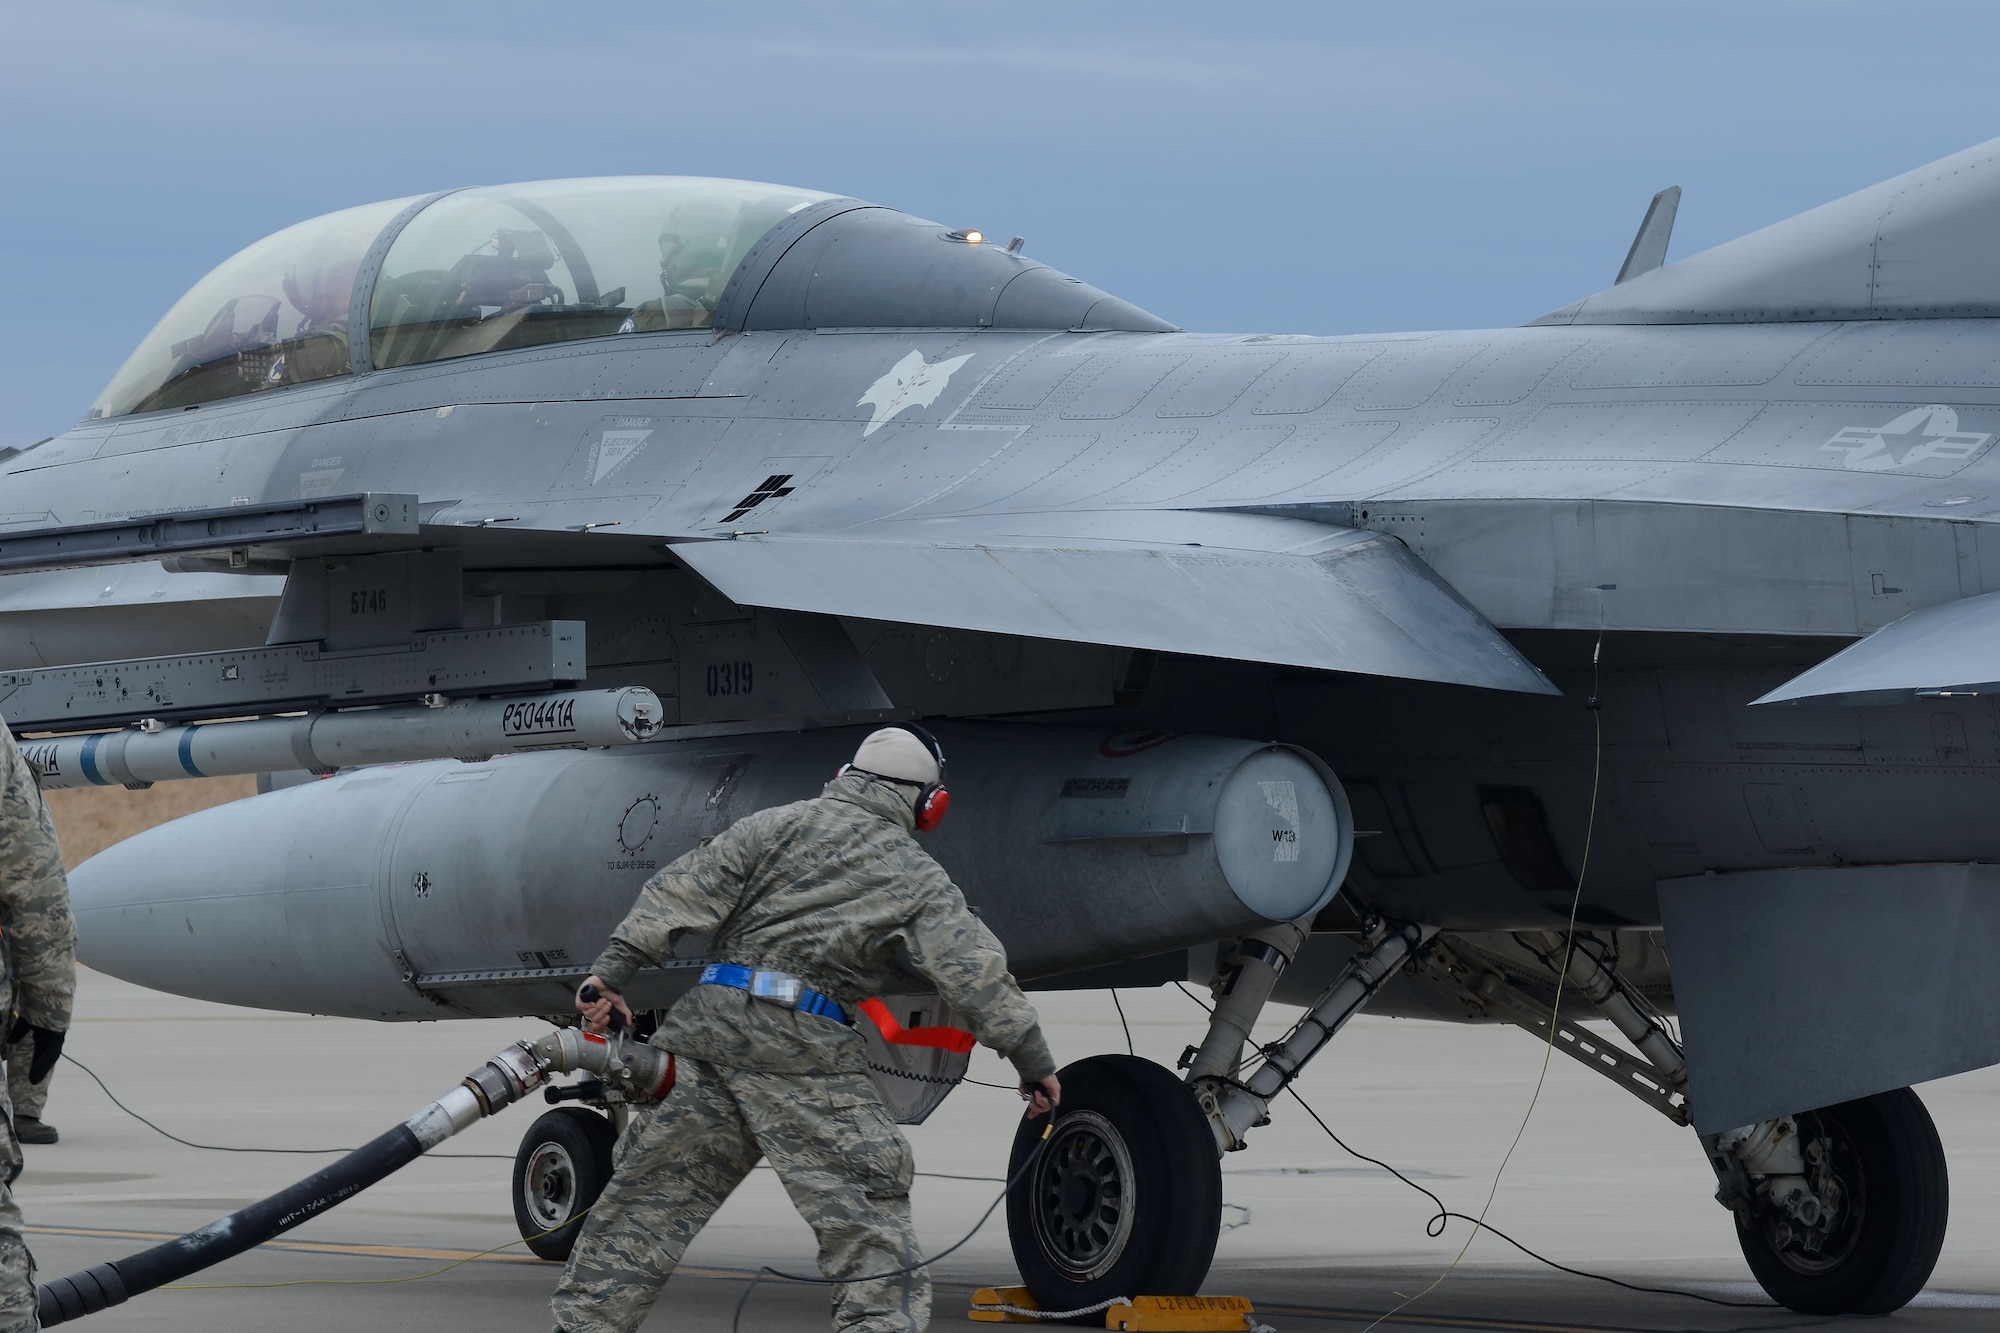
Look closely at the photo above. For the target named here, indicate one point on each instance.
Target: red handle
(943, 1039)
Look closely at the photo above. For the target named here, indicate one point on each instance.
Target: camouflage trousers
(29, 1098)
(17, 1265)
(841, 1159)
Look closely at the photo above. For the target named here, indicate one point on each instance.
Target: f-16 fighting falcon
(558, 525)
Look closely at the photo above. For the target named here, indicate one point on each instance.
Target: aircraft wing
(1951, 648)
(1242, 586)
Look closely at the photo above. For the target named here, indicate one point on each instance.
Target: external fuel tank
(448, 888)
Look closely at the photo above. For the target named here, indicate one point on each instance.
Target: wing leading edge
(1951, 648)
(1242, 586)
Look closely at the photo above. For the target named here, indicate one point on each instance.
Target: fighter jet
(1631, 664)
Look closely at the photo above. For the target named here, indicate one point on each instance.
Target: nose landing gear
(561, 1167)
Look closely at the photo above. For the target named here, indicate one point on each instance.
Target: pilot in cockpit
(320, 287)
(514, 274)
(252, 342)
(694, 250)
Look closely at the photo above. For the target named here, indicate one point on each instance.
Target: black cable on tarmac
(1435, 1227)
(736, 1320)
(163, 1132)
(1438, 1220)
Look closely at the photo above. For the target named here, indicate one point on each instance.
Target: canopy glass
(518, 265)
(475, 271)
(268, 316)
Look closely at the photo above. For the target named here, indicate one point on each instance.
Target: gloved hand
(1042, 1097)
(597, 1003)
(48, 1047)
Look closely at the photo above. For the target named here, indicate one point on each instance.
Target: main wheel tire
(1885, 1155)
(1125, 1198)
(563, 1165)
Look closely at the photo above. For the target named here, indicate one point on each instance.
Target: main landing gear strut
(1127, 1198)
(1839, 1210)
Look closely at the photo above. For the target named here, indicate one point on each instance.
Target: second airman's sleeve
(34, 896)
(955, 951)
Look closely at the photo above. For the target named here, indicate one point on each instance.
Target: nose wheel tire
(562, 1166)
(1126, 1198)
(1879, 1158)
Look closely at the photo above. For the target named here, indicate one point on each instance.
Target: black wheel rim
(1833, 1169)
(1083, 1196)
(549, 1186)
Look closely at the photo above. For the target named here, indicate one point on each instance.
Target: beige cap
(895, 753)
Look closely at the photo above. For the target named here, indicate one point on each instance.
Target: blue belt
(777, 987)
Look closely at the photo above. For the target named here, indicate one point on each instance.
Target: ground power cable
(1435, 1227)
(1593, 706)
(224, 1147)
(1206, 1007)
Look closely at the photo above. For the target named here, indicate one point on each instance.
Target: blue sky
(1313, 168)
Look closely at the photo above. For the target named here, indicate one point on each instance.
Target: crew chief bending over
(812, 906)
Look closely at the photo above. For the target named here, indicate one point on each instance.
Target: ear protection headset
(933, 801)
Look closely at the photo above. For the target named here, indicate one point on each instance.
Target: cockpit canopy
(508, 266)
(270, 315)
(516, 265)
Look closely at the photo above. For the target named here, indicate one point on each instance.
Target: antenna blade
(1649, 247)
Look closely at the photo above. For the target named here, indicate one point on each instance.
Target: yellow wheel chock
(1142, 1314)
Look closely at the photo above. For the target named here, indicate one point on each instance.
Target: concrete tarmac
(1316, 1238)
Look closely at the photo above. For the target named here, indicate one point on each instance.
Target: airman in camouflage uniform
(836, 892)
(41, 954)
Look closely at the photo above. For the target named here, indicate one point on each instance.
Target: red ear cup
(932, 807)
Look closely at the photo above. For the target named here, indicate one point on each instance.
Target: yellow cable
(368, 1281)
(1555, 1013)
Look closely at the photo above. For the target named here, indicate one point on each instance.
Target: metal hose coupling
(633, 1073)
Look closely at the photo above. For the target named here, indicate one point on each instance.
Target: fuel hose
(638, 1075)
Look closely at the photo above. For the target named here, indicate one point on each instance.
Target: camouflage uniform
(836, 892)
(28, 1099)
(41, 953)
